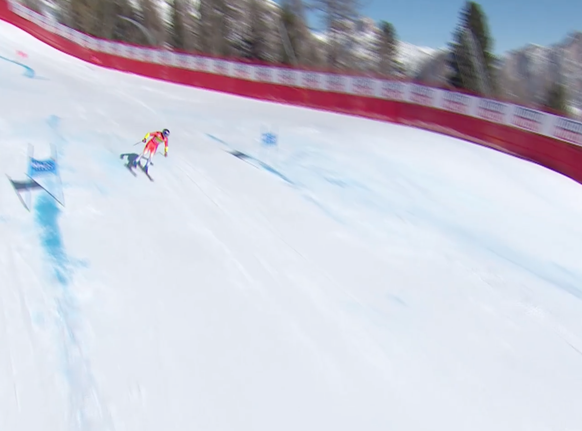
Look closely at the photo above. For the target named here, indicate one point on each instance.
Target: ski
(145, 172)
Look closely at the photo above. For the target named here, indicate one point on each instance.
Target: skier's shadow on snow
(131, 157)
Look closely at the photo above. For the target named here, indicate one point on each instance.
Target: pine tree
(177, 30)
(471, 47)
(106, 19)
(386, 48)
(339, 18)
(304, 45)
(204, 27)
(126, 20)
(82, 16)
(557, 99)
(32, 4)
(288, 22)
(152, 21)
(214, 27)
(257, 34)
(61, 12)
(291, 26)
(222, 16)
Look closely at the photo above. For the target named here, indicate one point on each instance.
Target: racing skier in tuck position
(152, 141)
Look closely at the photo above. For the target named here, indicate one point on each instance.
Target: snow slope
(361, 276)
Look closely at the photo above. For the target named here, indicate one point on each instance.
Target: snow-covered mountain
(525, 74)
(528, 72)
(362, 37)
(413, 57)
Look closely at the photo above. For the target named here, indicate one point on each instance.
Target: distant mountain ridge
(527, 72)
(524, 74)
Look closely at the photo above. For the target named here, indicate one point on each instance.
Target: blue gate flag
(269, 138)
(42, 166)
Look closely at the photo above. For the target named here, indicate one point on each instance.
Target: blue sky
(513, 23)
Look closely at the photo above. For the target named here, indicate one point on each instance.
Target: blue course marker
(28, 71)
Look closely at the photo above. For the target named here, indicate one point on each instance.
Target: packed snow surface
(355, 276)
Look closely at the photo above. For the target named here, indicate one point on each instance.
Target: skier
(149, 151)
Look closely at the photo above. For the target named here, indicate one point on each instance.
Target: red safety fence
(549, 140)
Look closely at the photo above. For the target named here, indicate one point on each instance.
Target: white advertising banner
(230, 66)
(108, 47)
(34, 17)
(312, 80)
(126, 51)
(61, 30)
(152, 55)
(421, 95)
(168, 58)
(243, 71)
(264, 74)
(492, 111)
(141, 54)
(21, 10)
(192, 62)
(43, 22)
(335, 83)
(118, 49)
(173, 59)
(204, 64)
(156, 56)
(397, 91)
(51, 25)
(163, 57)
(363, 86)
(85, 41)
(219, 67)
(18, 9)
(458, 103)
(76, 37)
(566, 130)
(210, 66)
(529, 119)
(101, 46)
(182, 60)
(132, 52)
(288, 77)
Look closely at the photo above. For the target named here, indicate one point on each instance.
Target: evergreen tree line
(249, 29)
(259, 30)
(473, 67)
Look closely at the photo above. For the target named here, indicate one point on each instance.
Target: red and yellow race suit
(155, 139)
